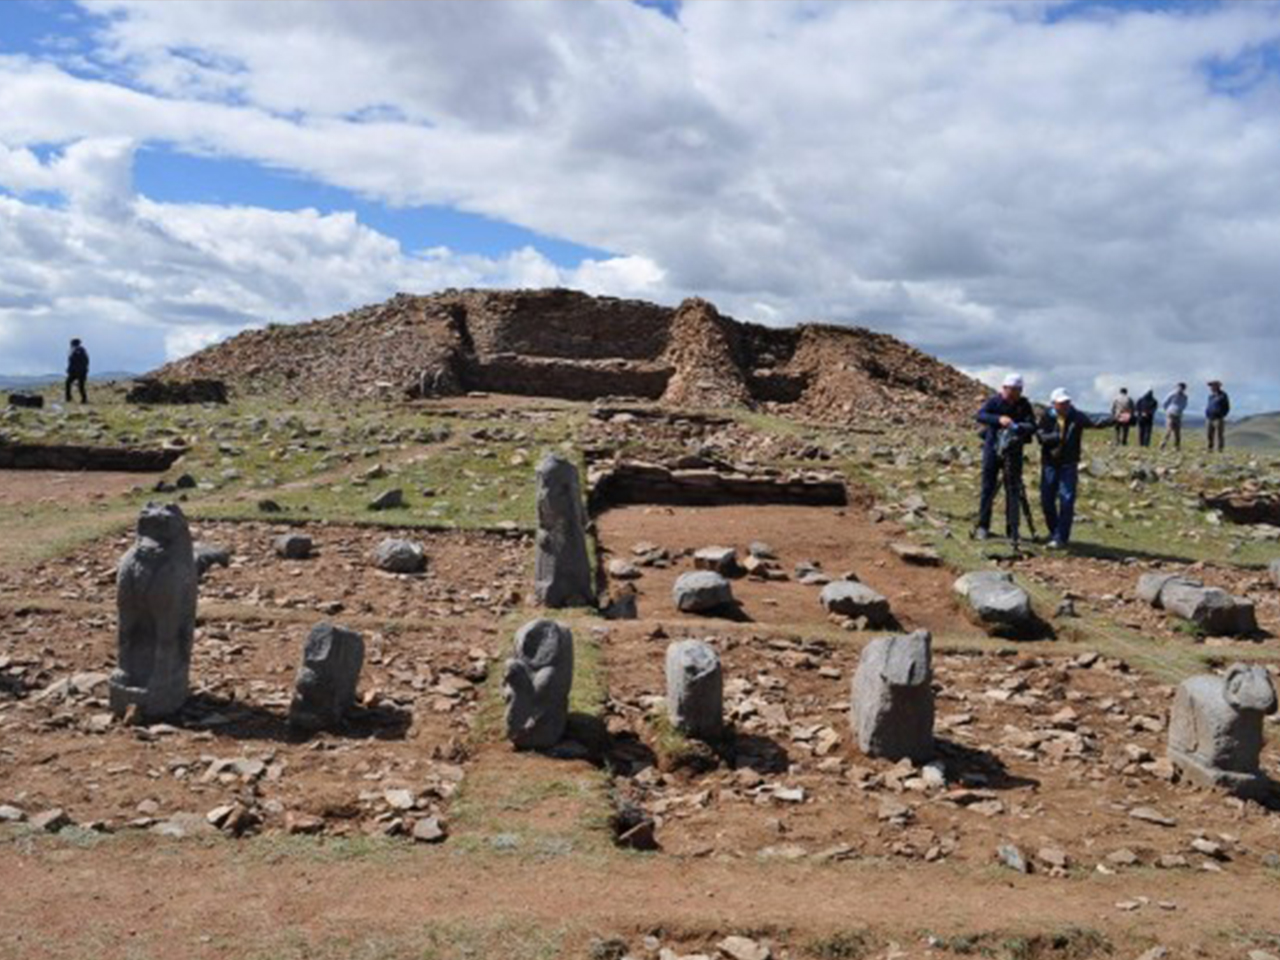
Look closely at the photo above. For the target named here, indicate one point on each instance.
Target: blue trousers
(1058, 484)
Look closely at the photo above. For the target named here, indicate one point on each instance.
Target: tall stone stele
(695, 689)
(325, 688)
(562, 572)
(156, 601)
(1215, 731)
(891, 710)
(537, 684)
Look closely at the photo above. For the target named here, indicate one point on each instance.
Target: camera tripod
(1016, 503)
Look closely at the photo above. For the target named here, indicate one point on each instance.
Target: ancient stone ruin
(156, 602)
(1215, 730)
(562, 343)
(695, 689)
(156, 390)
(562, 571)
(537, 683)
(892, 707)
(325, 688)
(1212, 610)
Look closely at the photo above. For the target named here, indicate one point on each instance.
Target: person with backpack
(1145, 407)
(1216, 410)
(77, 370)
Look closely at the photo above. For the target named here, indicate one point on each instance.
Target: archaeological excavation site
(537, 624)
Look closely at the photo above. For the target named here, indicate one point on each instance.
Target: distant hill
(1258, 432)
(41, 380)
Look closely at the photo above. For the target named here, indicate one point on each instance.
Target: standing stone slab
(1215, 730)
(537, 684)
(702, 591)
(891, 708)
(848, 598)
(156, 601)
(999, 605)
(326, 685)
(562, 572)
(695, 689)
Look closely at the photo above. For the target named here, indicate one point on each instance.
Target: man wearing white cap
(1061, 431)
(1004, 409)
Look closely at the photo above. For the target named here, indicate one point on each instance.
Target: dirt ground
(788, 834)
(19, 487)
(838, 540)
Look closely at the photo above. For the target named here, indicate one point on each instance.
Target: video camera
(1012, 437)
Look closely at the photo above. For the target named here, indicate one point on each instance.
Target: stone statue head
(1249, 687)
(164, 523)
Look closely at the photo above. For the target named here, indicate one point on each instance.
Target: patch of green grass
(842, 945)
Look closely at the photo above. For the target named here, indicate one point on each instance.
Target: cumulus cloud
(1088, 195)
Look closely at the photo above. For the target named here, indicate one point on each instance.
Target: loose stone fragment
(997, 603)
(851, 599)
(722, 560)
(400, 556)
(208, 555)
(293, 546)
(701, 591)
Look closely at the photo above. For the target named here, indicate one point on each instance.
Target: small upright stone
(701, 591)
(326, 685)
(695, 689)
(562, 572)
(537, 684)
(1215, 729)
(848, 598)
(400, 556)
(892, 698)
(156, 602)
(1274, 569)
(293, 546)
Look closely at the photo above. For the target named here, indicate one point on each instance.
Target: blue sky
(1088, 192)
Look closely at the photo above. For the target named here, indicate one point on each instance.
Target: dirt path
(145, 899)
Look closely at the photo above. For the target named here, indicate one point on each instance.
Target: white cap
(1060, 396)
(1013, 380)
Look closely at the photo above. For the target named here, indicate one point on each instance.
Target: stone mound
(567, 344)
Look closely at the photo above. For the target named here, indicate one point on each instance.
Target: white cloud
(1076, 199)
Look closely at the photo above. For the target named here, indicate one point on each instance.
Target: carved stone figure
(537, 683)
(156, 601)
(892, 698)
(1215, 731)
(695, 689)
(326, 685)
(562, 572)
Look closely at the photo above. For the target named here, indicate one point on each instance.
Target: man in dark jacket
(1006, 409)
(1145, 408)
(1215, 414)
(77, 370)
(1061, 431)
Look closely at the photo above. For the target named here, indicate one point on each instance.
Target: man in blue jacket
(1215, 414)
(1006, 409)
(1061, 431)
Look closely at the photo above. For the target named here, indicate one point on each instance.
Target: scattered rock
(400, 556)
(850, 599)
(388, 500)
(701, 591)
(293, 546)
(429, 830)
(722, 560)
(998, 604)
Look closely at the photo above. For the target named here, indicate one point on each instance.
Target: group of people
(1009, 422)
(1125, 411)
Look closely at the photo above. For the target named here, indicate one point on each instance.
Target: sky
(1086, 192)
